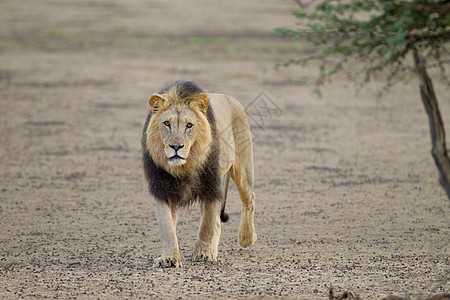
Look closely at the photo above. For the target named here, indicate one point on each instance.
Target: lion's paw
(204, 256)
(166, 262)
(247, 239)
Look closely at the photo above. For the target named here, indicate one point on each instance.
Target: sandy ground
(347, 191)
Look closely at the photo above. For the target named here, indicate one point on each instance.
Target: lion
(192, 144)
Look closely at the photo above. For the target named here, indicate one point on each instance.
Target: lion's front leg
(167, 221)
(207, 246)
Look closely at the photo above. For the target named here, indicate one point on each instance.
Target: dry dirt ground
(347, 191)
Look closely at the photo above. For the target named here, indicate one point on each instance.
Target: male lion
(192, 141)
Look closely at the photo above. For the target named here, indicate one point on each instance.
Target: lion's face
(178, 130)
(179, 135)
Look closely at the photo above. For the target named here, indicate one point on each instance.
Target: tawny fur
(216, 142)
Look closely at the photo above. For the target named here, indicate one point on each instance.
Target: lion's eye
(189, 125)
(167, 123)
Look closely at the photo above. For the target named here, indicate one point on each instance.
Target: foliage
(381, 33)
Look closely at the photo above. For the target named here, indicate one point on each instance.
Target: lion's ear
(157, 102)
(202, 102)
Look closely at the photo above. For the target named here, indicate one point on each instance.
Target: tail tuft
(224, 217)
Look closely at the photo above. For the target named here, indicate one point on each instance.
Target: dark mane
(184, 88)
(184, 190)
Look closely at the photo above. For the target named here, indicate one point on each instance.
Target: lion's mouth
(176, 156)
(177, 160)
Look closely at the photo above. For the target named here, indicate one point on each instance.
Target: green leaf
(318, 93)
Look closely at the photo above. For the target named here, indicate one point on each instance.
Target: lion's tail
(223, 215)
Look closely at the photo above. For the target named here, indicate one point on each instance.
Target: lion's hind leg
(243, 178)
(247, 234)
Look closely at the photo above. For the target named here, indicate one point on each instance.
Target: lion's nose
(176, 147)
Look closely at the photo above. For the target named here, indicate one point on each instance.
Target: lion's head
(179, 134)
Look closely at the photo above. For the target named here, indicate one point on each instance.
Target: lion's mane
(198, 179)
